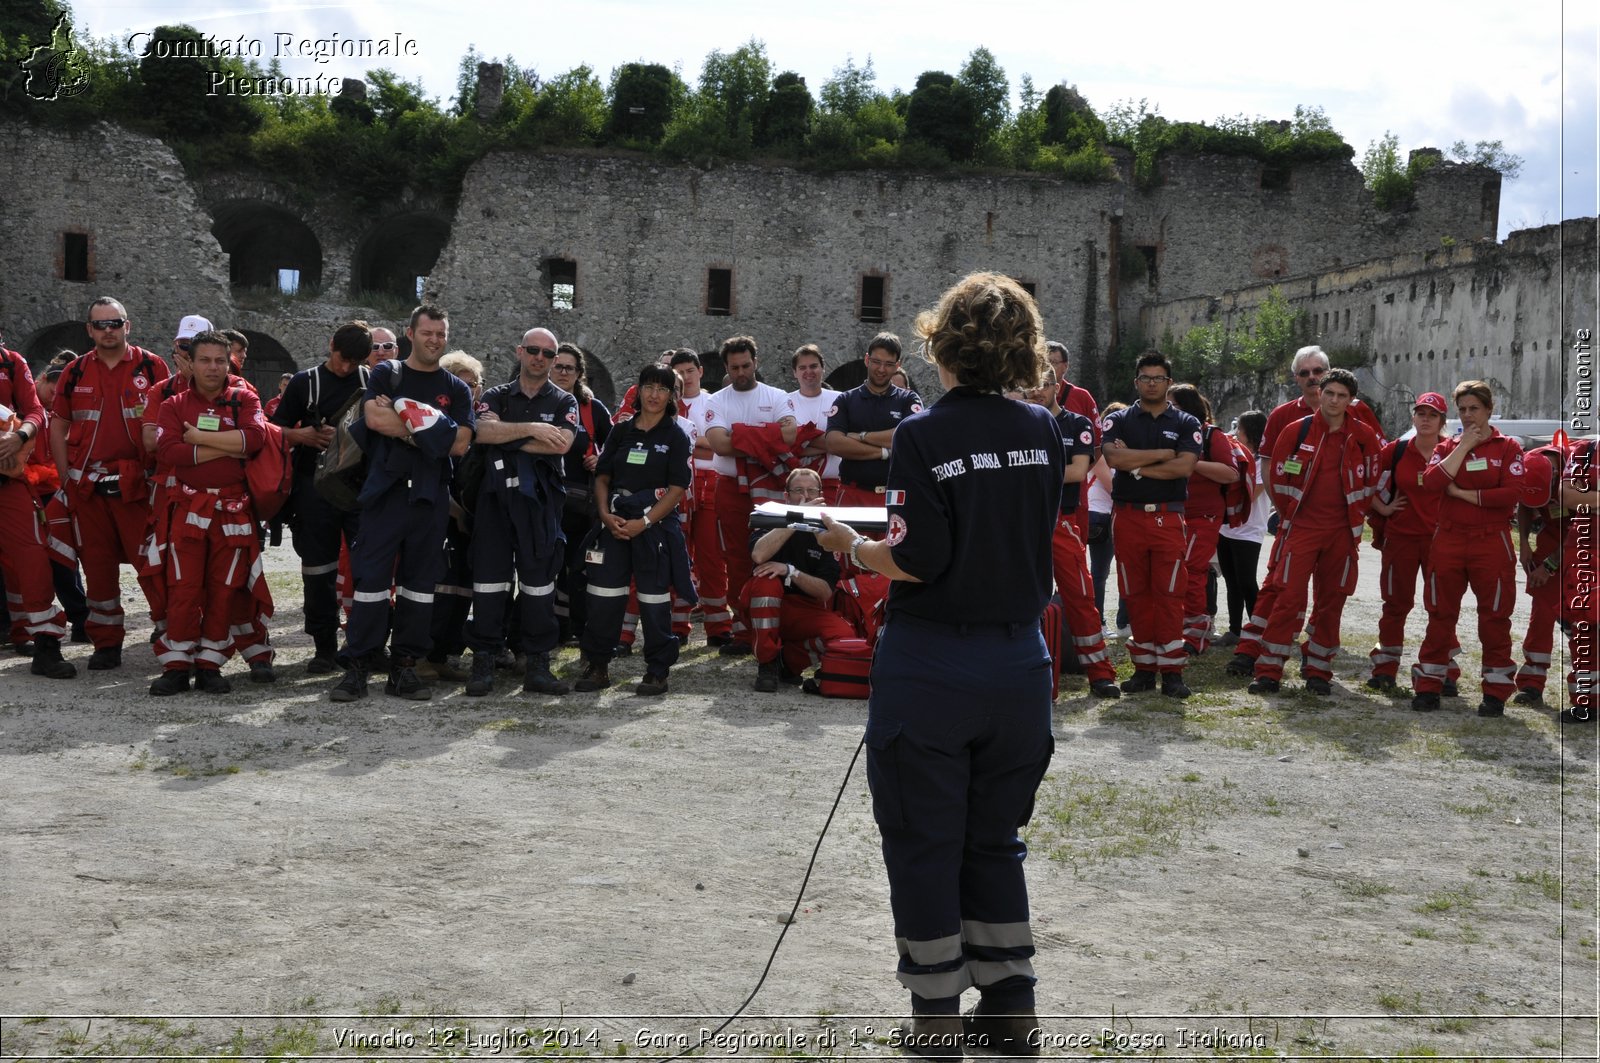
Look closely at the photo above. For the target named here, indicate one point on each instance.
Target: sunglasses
(391, 345)
(542, 352)
(108, 323)
(1303, 373)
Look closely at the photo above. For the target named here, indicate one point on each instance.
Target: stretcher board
(781, 515)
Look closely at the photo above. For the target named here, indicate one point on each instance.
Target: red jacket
(1291, 411)
(1501, 481)
(1359, 467)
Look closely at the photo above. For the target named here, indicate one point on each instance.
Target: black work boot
(595, 676)
(767, 677)
(353, 687)
(105, 658)
(172, 681)
(1015, 1034)
(481, 681)
(403, 681)
(211, 681)
(47, 660)
(538, 679)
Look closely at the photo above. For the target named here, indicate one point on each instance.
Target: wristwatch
(1138, 474)
(855, 550)
(788, 579)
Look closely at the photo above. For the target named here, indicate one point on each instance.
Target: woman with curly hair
(958, 721)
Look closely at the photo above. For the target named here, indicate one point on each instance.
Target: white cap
(190, 326)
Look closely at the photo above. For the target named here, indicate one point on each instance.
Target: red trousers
(1320, 560)
(1481, 559)
(798, 626)
(1070, 560)
(30, 591)
(1200, 544)
(733, 531)
(1580, 608)
(1150, 578)
(1540, 641)
(1403, 558)
(109, 533)
(710, 568)
(213, 557)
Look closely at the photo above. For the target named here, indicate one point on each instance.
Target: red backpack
(1238, 496)
(269, 472)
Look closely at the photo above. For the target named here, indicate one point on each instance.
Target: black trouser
(1238, 559)
(317, 529)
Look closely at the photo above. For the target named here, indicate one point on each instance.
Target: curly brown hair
(985, 332)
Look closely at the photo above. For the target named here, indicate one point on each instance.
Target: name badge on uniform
(637, 457)
(1419, 479)
(208, 422)
(1292, 467)
(1477, 464)
(138, 411)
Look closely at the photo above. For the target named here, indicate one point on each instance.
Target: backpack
(342, 467)
(269, 472)
(1377, 521)
(846, 665)
(1238, 496)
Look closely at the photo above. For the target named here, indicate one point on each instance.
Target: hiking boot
(1528, 696)
(105, 658)
(1425, 703)
(1449, 689)
(595, 677)
(403, 681)
(1242, 665)
(79, 634)
(211, 681)
(1264, 686)
(47, 659)
(325, 661)
(1141, 681)
(1320, 687)
(938, 1037)
(654, 684)
(1491, 706)
(353, 687)
(1105, 688)
(481, 681)
(1004, 1035)
(261, 672)
(1383, 683)
(538, 679)
(172, 681)
(767, 677)
(735, 649)
(1173, 686)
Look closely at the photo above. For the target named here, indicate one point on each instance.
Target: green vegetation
(1256, 344)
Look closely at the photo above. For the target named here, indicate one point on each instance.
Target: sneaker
(1004, 1035)
(105, 658)
(1491, 706)
(1320, 687)
(1105, 688)
(1528, 696)
(1110, 634)
(1264, 686)
(1449, 689)
(79, 635)
(403, 681)
(1425, 703)
(173, 681)
(352, 687)
(653, 684)
(1242, 665)
(538, 678)
(735, 649)
(767, 677)
(1141, 681)
(938, 1037)
(1173, 686)
(1382, 683)
(47, 660)
(261, 672)
(1125, 632)
(481, 682)
(595, 677)
(211, 681)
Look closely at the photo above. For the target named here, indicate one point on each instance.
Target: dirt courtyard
(268, 874)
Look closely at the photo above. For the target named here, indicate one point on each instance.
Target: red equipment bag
(269, 474)
(845, 666)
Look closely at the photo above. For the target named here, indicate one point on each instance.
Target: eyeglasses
(542, 352)
(1303, 373)
(655, 389)
(805, 494)
(391, 345)
(108, 323)
(1152, 379)
(881, 364)
(559, 368)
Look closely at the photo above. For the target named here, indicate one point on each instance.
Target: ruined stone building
(627, 256)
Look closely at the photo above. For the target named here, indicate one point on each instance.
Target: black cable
(711, 1037)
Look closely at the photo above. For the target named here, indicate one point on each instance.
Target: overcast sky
(1431, 72)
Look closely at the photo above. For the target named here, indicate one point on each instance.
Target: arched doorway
(393, 256)
(42, 346)
(267, 362)
(267, 247)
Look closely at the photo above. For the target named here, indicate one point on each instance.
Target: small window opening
(75, 256)
(871, 299)
(563, 274)
(719, 292)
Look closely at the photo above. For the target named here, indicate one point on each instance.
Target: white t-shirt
(1100, 494)
(695, 423)
(1255, 529)
(762, 404)
(815, 411)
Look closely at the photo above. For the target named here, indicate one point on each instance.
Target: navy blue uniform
(1078, 436)
(859, 410)
(572, 599)
(405, 504)
(1171, 430)
(958, 725)
(640, 466)
(517, 522)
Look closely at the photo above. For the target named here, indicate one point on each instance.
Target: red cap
(1433, 401)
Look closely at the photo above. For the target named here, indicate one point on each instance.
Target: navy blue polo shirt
(548, 405)
(801, 551)
(973, 496)
(573, 463)
(442, 390)
(1172, 429)
(859, 410)
(1077, 436)
(650, 461)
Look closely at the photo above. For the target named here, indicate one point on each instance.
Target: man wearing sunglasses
(97, 440)
(385, 345)
(1310, 365)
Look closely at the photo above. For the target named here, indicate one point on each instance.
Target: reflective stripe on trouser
(1070, 563)
(795, 625)
(733, 529)
(1401, 563)
(705, 551)
(630, 618)
(1322, 564)
(504, 533)
(109, 533)
(608, 597)
(958, 739)
(1250, 638)
(1482, 560)
(207, 570)
(27, 566)
(318, 531)
(1150, 578)
(1539, 642)
(401, 546)
(1200, 544)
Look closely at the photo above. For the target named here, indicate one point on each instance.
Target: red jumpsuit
(1203, 518)
(213, 555)
(1290, 412)
(1406, 539)
(30, 593)
(1472, 550)
(103, 409)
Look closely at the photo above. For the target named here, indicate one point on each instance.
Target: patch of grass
(1451, 1024)
(1447, 900)
(1271, 806)
(1394, 1000)
(1364, 888)
(1476, 811)
(1425, 933)
(1189, 776)
(1081, 819)
(1547, 881)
